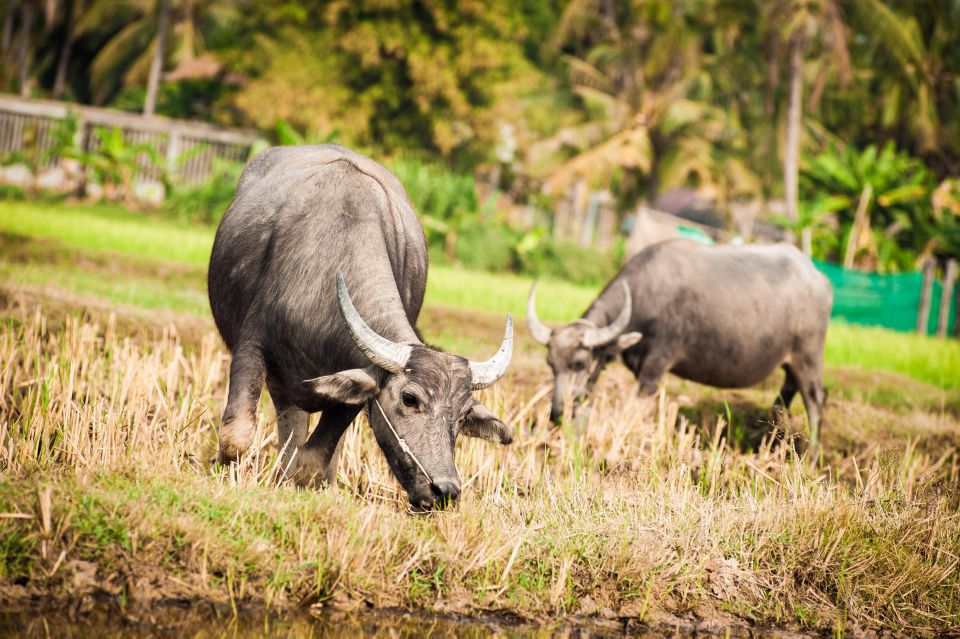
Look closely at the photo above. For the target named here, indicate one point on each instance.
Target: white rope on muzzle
(403, 445)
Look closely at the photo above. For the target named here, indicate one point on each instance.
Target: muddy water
(187, 623)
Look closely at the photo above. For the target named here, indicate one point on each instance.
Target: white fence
(188, 147)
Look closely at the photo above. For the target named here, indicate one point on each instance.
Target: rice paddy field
(680, 510)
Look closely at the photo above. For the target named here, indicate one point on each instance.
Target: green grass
(113, 230)
(146, 241)
(109, 229)
(922, 357)
(137, 291)
(506, 293)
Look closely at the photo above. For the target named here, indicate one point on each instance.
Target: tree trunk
(156, 65)
(23, 54)
(791, 160)
(60, 79)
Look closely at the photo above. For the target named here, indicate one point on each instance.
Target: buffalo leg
(788, 391)
(321, 454)
(240, 416)
(292, 425)
(655, 366)
(810, 382)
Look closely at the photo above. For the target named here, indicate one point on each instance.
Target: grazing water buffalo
(724, 316)
(308, 224)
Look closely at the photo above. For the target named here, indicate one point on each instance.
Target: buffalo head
(578, 351)
(419, 401)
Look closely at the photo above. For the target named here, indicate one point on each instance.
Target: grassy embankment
(105, 443)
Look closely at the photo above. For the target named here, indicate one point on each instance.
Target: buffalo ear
(354, 386)
(626, 340)
(481, 423)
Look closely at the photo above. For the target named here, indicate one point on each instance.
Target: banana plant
(898, 211)
(114, 163)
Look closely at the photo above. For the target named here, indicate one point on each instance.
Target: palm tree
(134, 52)
(73, 13)
(22, 54)
(156, 64)
(634, 64)
(798, 26)
(913, 64)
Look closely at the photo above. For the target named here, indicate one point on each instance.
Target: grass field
(665, 510)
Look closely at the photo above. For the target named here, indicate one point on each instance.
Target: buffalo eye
(409, 399)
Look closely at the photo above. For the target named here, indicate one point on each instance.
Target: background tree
(631, 64)
(128, 35)
(798, 26)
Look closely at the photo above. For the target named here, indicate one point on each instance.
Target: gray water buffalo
(316, 280)
(725, 316)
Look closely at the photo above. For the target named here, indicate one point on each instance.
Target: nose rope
(403, 445)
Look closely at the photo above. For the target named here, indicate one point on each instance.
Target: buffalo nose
(555, 415)
(445, 492)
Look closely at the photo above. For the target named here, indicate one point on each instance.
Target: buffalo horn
(599, 336)
(386, 354)
(485, 373)
(540, 331)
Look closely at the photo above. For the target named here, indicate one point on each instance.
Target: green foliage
(462, 231)
(435, 190)
(207, 201)
(124, 35)
(60, 144)
(899, 210)
(388, 74)
(114, 162)
(188, 99)
(487, 246)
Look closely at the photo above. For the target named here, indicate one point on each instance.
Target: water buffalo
(725, 316)
(316, 280)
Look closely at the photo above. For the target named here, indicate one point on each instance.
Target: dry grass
(105, 443)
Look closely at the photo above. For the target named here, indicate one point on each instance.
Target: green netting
(890, 301)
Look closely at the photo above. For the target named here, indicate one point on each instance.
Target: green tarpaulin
(891, 301)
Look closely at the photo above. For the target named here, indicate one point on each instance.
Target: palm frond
(584, 73)
(900, 36)
(125, 47)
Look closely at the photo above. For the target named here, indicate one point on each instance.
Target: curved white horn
(540, 331)
(485, 373)
(599, 336)
(384, 353)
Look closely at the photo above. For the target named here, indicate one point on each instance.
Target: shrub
(486, 245)
(206, 202)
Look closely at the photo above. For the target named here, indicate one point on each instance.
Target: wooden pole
(926, 292)
(949, 282)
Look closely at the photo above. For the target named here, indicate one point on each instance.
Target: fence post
(926, 292)
(590, 219)
(949, 280)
